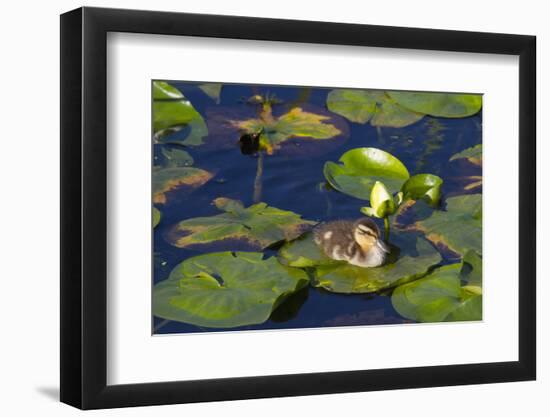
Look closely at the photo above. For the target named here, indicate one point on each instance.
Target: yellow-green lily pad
(173, 112)
(225, 289)
(374, 106)
(156, 217)
(439, 296)
(453, 105)
(360, 168)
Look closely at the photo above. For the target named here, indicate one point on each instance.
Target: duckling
(357, 242)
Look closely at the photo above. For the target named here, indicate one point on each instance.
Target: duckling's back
(336, 239)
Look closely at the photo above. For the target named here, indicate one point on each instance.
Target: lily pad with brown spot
(473, 155)
(168, 179)
(458, 227)
(257, 226)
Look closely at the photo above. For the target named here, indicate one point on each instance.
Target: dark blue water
(291, 182)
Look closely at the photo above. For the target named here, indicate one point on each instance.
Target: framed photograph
(258, 208)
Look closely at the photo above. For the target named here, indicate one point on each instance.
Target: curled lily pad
(438, 297)
(212, 90)
(257, 226)
(458, 228)
(175, 120)
(167, 179)
(383, 204)
(225, 289)
(413, 260)
(473, 155)
(423, 186)
(156, 216)
(360, 168)
(439, 104)
(296, 123)
(362, 106)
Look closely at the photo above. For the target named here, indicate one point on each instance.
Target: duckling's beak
(382, 245)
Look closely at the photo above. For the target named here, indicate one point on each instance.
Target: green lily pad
(257, 226)
(296, 123)
(439, 104)
(360, 168)
(156, 217)
(459, 227)
(212, 90)
(439, 297)
(362, 106)
(225, 289)
(167, 179)
(473, 154)
(172, 112)
(412, 261)
(423, 186)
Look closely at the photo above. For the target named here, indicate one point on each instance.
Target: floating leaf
(473, 268)
(341, 277)
(459, 227)
(297, 123)
(167, 179)
(156, 217)
(212, 90)
(439, 297)
(473, 154)
(379, 108)
(258, 226)
(439, 104)
(226, 289)
(360, 168)
(175, 157)
(175, 120)
(423, 186)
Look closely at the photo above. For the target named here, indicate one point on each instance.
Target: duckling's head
(367, 236)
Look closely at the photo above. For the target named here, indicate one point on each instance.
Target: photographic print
(291, 207)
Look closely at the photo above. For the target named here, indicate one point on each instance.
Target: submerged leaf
(438, 297)
(439, 104)
(175, 120)
(473, 154)
(411, 262)
(259, 226)
(175, 157)
(379, 108)
(458, 228)
(212, 90)
(360, 168)
(167, 179)
(156, 217)
(225, 289)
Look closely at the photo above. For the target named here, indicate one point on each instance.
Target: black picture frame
(84, 207)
